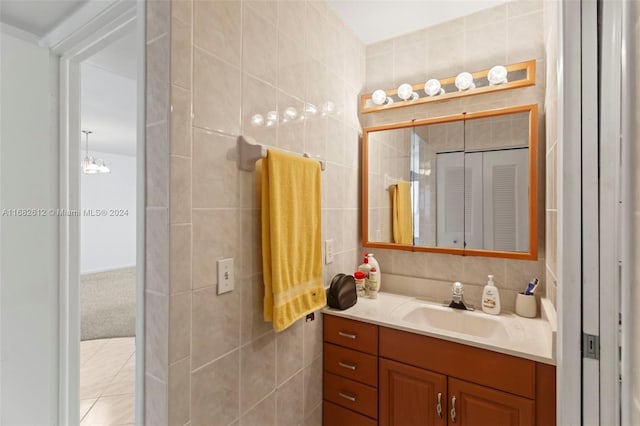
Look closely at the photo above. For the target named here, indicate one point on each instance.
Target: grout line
(156, 38)
(183, 157)
(207, 364)
(112, 380)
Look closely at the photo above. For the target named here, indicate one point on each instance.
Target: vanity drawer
(334, 415)
(351, 364)
(350, 394)
(357, 335)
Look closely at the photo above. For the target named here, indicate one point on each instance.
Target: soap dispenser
(491, 298)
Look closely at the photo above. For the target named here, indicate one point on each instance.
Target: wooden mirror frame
(532, 254)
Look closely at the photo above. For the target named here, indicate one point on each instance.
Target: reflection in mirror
(433, 176)
(458, 184)
(497, 183)
(389, 162)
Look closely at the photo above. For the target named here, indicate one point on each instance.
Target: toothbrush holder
(526, 305)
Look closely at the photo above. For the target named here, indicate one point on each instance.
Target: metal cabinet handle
(453, 409)
(439, 406)
(347, 335)
(350, 397)
(347, 366)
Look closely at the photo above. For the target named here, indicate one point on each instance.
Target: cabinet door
(476, 405)
(411, 396)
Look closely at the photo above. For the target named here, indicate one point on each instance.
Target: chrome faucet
(457, 300)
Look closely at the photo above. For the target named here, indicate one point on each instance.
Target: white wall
(109, 242)
(29, 245)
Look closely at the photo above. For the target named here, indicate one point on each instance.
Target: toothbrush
(531, 288)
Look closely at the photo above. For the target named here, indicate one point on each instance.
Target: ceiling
(119, 57)
(37, 17)
(377, 20)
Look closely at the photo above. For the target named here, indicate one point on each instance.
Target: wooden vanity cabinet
(479, 405)
(482, 387)
(350, 380)
(428, 381)
(414, 396)
(411, 396)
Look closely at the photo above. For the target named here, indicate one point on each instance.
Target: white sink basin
(444, 318)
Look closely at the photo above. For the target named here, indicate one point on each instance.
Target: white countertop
(529, 338)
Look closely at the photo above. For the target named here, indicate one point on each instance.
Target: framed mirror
(461, 184)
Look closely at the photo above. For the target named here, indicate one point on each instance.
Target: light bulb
(329, 107)
(379, 97)
(405, 92)
(433, 87)
(272, 118)
(102, 167)
(91, 166)
(497, 75)
(257, 120)
(290, 113)
(464, 81)
(310, 109)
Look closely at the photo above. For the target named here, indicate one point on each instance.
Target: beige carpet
(108, 304)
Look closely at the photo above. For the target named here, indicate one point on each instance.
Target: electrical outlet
(328, 252)
(226, 280)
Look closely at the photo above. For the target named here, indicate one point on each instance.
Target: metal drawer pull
(453, 409)
(350, 397)
(347, 366)
(439, 406)
(348, 335)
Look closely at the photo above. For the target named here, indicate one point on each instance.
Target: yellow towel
(402, 218)
(291, 246)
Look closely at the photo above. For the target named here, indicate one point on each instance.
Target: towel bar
(390, 181)
(249, 153)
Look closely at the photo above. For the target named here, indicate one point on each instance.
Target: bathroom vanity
(384, 365)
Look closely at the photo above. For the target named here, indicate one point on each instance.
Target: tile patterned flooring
(107, 382)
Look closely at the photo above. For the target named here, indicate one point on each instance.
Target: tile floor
(107, 382)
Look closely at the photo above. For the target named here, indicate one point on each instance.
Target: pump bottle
(491, 298)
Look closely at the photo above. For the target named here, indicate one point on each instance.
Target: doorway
(108, 233)
(102, 91)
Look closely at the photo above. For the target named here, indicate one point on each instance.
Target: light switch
(328, 252)
(226, 279)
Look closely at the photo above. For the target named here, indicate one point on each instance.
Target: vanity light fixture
(433, 87)
(405, 92)
(464, 81)
(91, 165)
(497, 75)
(379, 97)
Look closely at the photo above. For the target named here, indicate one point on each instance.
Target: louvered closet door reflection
(450, 199)
(506, 194)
